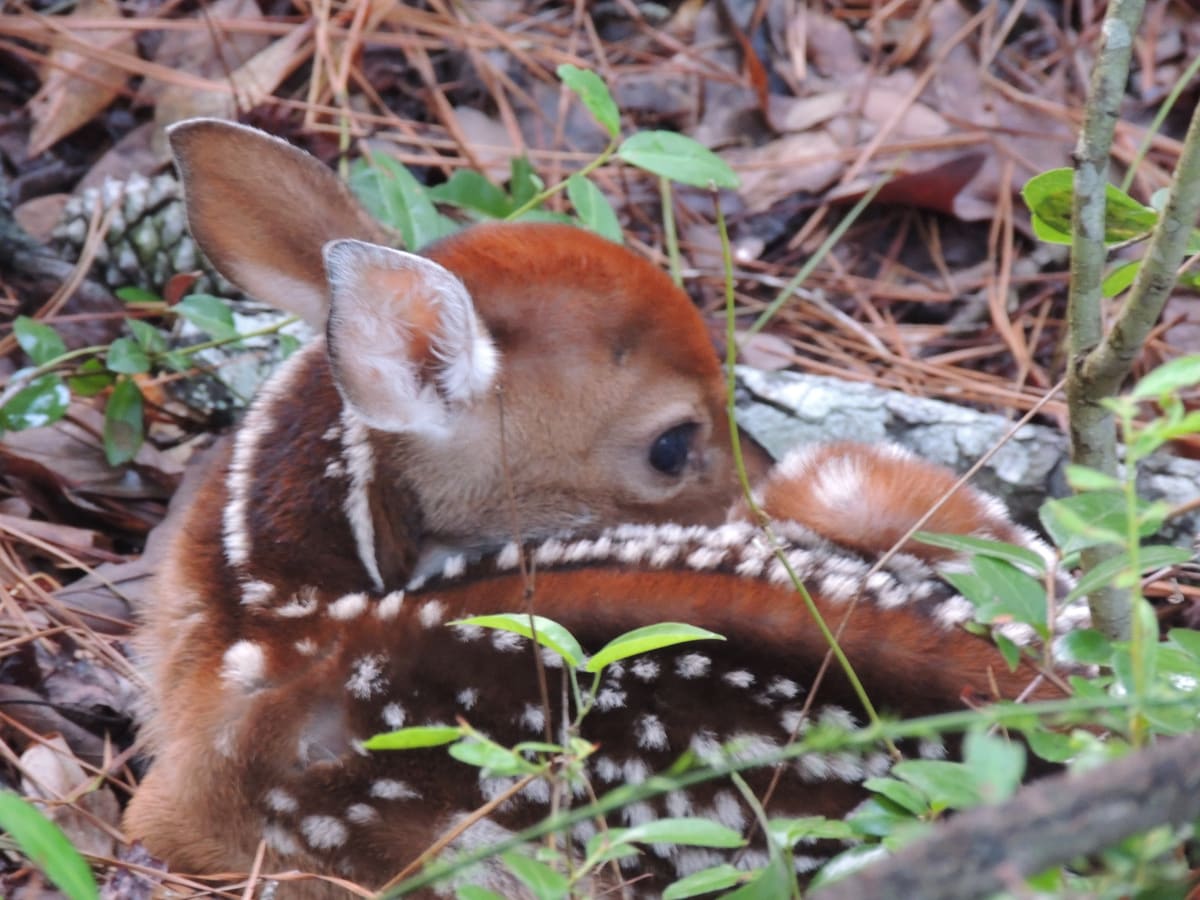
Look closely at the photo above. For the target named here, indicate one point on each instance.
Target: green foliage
(1050, 196)
(44, 844)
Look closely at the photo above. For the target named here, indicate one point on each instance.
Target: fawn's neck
(304, 500)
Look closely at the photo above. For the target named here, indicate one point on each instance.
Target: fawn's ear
(406, 346)
(262, 210)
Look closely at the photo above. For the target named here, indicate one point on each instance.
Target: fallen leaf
(807, 162)
(767, 352)
(78, 85)
(51, 773)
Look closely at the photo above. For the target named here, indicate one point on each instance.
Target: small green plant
(44, 845)
(41, 394)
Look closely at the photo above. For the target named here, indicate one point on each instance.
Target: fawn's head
(515, 378)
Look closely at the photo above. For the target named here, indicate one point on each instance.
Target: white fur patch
(645, 670)
(650, 733)
(431, 613)
(257, 593)
(244, 665)
(279, 800)
(360, 465)
(303, 603)
(362, 814)
(348, 607)
(467, 698)
(323, 832)
(533, 718)
(366, 677)
(739, 678)
(280, 840)
(394, 715)
(389, 606)
(692, 665)
(391, 789)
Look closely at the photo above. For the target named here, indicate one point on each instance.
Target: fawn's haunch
(519, 389)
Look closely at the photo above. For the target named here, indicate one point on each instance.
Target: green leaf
(706, 881)
(414, 738)
(1168, 378)
(1010, 651)
(1120, 277)
(468, 189)
(996, 764)
(593, 208)
(524, 183)
(789, 832)
(126, 357)
(1084, 520)
(1050, 745)
(47, 847)
(549, 633)
(1001, 591)
(210, 314)
(475, 892)
(123, 427)
(92, 378)
(876, 818)
(677, 157)
(643, 640)
(1107, 572)
(974, 546)
(134, 294)
(288, 345)
(41, 402)
(853, 860)
(595, 96)
(903, 795)
(688, 832)
(39, 341)
(390, 192)
(1049, 197)
(1043, 231)
(1188, 639)
(1087, 647)
(1082, 478)
(773, 881)
(948, 785)
(491, 757)
(544, 882)
(149, 337)
(177, 361)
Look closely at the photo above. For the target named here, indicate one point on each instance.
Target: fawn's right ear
(262, 210)
(407, 348)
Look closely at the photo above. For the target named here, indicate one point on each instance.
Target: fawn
(522, 392)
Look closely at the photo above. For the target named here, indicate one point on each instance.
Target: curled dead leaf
(79, 84)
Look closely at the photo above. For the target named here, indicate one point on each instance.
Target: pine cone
(147, 240)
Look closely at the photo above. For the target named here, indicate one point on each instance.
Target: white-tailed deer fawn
(522, 387)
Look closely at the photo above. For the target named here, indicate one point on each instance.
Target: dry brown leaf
(50, 773)
(78, 86)
(768, 352)
(40, 215)
(807, 162)
(489, 141)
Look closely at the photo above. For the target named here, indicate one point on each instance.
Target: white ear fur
(406, 345)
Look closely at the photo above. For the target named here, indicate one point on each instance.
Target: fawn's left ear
(407, 348)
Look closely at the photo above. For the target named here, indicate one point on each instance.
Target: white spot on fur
(303, 603)
(257, 593)
(335, 468)
(635, 771)
(366, 677)
(244, 665)
(454, 566)
(953, 612)
(609, 699)
(306, 647)
(509, 556)
(533, 718)
(739, 678)
(394, 715)
(323, 832)
(362, 814)
(469, 632)
(280, 800)
(705, 558)
(507, 641)
(391, 789)
(783, 687)
(651, 735)
(692, 665)
(360, 464)
(467, 698)
(431, 613)
(679, 805)
(607, 769)
(638, 814)
(280, 840)
(645, 669)
(728, 811)
(389, 606)
(349, 607)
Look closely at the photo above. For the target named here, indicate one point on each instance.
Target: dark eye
(669, 453)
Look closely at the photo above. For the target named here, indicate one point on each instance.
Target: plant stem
(670, 235)
(538, 199)
(1093, 439)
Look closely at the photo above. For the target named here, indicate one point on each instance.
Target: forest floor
(938, 289)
